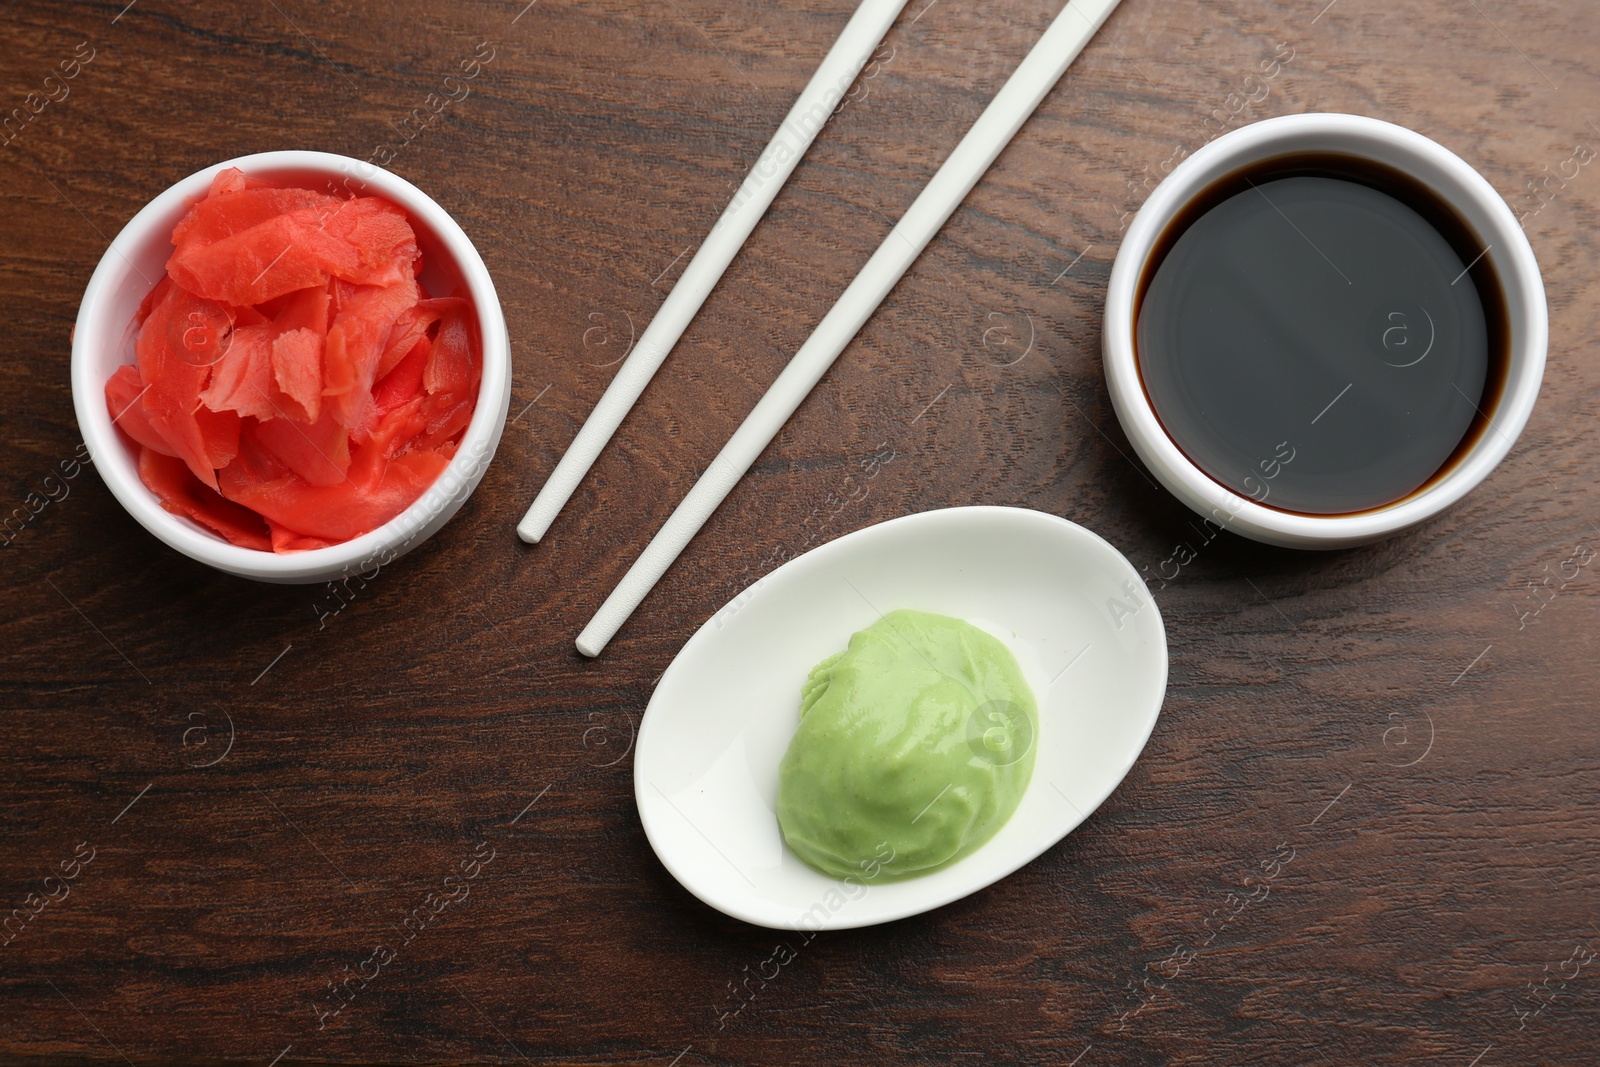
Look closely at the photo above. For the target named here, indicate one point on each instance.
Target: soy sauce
(1321, 334)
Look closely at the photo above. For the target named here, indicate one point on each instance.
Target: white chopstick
(817, 101)
(1017, 99)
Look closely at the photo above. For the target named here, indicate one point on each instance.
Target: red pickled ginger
(293, 387)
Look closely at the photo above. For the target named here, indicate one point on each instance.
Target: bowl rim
(1473, 197)
(118, 467)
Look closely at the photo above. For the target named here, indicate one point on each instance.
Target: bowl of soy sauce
(1324, 329)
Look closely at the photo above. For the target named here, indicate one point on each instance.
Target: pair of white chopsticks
(1017, 99)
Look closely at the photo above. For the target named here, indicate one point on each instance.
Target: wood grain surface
(1362, 833)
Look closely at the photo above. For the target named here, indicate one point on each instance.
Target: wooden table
(1363, 831)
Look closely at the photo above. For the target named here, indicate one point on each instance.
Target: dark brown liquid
(1321, 334)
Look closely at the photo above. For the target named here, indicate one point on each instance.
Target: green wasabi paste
(915, 745)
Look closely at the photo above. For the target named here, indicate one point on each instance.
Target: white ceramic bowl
(103, 340)
(1454, 181)
(1068, 605)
